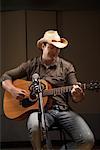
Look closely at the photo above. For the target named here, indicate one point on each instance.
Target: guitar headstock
(94, 85)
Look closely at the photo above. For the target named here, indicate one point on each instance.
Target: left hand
(77, 93)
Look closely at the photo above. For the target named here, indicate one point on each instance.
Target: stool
(62, 134)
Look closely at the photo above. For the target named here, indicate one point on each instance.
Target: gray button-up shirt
(60, 73)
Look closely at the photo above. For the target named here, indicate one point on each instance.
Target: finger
(77, 88)
(24, 92)
(18, 98)
(21, 95)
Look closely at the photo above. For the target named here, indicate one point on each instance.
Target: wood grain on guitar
(15, 109)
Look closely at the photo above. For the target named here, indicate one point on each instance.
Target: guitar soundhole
(27, 102)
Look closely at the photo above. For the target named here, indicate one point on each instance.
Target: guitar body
(13, 109)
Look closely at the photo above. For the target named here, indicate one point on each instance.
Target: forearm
(8, 85)
(16, 73)
(18, 93)
(77, 92)
(72, 79)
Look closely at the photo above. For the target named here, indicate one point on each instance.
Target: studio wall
(21, 29)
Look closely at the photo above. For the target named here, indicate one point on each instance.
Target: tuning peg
(94, 85)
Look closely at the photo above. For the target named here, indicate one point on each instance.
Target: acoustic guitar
(15, 109)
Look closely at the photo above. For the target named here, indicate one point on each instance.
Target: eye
(51, 46)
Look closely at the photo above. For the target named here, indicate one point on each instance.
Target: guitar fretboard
(60, 90)
(57, 91)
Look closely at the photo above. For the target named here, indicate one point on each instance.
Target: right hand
(19, 93)
(15, 92)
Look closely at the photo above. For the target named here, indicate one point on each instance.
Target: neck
(48, 60)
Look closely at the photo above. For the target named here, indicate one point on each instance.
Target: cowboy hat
(53, 38)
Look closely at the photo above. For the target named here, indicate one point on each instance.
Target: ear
(43, 46)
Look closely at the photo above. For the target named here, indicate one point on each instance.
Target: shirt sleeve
(71, 74)
(18, 72)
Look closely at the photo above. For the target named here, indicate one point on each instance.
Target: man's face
(50, 50)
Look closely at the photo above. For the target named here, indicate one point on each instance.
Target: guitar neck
(60, 90)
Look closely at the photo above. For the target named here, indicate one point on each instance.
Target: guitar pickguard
(27, 102)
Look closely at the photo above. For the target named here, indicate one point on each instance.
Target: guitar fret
(60, 90)
(47, 92)
(68, 89)
(20, 111)
(57, 91)
(64, 89)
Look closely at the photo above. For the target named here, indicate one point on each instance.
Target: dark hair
(45, 43)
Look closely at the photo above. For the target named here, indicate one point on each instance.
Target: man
(57, 72)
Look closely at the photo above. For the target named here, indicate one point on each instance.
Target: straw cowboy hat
(53, 38)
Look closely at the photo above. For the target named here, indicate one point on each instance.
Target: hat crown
(52, 35)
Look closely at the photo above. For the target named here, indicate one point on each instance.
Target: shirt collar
(51, 65)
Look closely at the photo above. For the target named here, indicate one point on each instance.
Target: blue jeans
(73, 125)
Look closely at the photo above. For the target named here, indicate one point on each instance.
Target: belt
(60, 108)
(56, 107)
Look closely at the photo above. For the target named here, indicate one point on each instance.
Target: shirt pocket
(60, 79)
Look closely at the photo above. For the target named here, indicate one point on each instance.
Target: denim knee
(34, 133)
(32, 123)
(88, 142)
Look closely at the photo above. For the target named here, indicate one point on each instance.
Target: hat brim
(59, 44)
